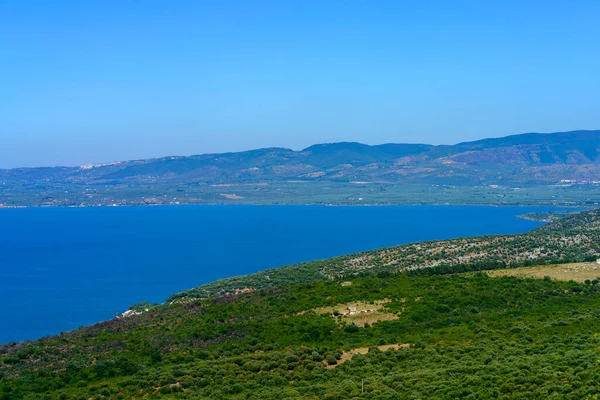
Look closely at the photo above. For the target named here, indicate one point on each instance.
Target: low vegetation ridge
(548, 216)
(572, 239)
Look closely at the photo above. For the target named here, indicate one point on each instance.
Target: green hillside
(468, 337)
(414, 334)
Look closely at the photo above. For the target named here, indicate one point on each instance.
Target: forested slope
(460, 337)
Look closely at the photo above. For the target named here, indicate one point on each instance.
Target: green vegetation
(299, 192)
(470, 337)
(467, 336)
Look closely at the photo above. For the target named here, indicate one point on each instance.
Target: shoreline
(120, 313)
(571, 206)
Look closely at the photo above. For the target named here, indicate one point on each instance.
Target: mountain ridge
(530, 159)
(579, 134)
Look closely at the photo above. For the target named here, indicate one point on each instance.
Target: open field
(351, 308)
(359, 313)
(360, 319)
(578, 272)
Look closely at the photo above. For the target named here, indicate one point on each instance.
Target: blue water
(61, 268)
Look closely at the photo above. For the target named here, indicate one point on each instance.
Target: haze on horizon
(98, 81)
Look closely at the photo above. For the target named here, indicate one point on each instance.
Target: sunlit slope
(443, 336)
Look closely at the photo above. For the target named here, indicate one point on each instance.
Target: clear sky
(92, 81)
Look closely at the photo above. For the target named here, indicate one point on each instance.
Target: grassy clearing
(357, 306)
(347, 356)
(578, 272)
(358, 313)
(369, 318)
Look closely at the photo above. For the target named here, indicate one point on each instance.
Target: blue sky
(95, 81)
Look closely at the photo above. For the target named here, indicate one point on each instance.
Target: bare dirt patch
(578, 272)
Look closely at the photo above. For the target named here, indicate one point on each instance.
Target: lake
(61, 268)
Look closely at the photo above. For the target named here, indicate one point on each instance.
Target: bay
(62, 268)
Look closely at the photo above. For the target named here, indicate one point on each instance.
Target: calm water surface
(61, 268)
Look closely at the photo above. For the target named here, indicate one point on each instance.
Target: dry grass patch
(578, 272)
(347, 356)
(359, 313)
(369, 318)
(356, 306)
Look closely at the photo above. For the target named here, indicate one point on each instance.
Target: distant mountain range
(525, 159)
